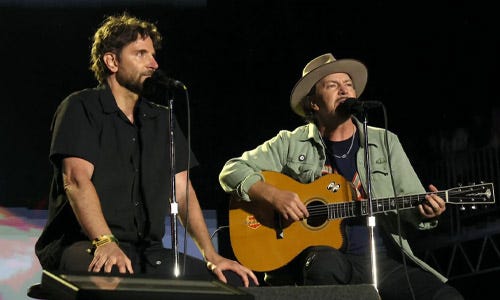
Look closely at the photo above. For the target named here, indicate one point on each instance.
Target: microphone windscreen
(156, 87)
(349, 106)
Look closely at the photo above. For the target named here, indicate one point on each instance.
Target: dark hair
(115, 33)
(309, 115)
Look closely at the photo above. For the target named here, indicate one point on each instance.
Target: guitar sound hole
(318, 213)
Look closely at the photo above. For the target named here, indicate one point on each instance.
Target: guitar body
(262, 241)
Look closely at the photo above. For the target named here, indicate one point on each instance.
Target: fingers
(128, 265)
(254, 277)
(294, 214)
(426, 211)
(291, 207)
(433, 205)
(211, 266)
(217, 271)
(107, 257)
(432, 188)
(106, 264)
(123, 266)
(243, 272)
(96, 264)
(436, 203)
(110, 262)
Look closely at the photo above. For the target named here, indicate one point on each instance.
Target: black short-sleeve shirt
(131, 163)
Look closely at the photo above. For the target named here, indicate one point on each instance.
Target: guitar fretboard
(468, 195)
(361, 208)
(479, 194)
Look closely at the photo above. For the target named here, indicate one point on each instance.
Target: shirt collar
(145, 108)
(313, 132)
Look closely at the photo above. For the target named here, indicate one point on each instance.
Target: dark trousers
(151, 260)
(328, 266)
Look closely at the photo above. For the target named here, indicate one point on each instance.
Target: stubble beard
(134, 85)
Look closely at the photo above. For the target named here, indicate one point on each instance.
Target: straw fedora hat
(320, 67)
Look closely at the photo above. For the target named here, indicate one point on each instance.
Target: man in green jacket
(332, 144)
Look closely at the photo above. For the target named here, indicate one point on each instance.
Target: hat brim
(356, 70)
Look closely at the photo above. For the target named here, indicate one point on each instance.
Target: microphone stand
(370, 217)
(174, 207)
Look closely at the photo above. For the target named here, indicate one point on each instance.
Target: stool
(37, 292)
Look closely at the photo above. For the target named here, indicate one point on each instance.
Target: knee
(75, 258)
(447, 293)
(326, 265)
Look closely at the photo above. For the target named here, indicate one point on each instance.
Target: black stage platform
(92, 287)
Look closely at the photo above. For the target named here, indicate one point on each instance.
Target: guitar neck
(361, 208)
(466, 195)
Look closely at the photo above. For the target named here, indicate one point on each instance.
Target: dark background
(432, 63)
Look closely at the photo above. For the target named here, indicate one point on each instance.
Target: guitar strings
(343, 209)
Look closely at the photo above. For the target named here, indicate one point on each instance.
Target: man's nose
(343, 89)
(153, 63)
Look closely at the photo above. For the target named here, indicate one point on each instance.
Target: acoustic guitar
(262, 241)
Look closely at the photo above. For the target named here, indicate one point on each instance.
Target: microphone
(352, 105)
(159, 78)
(159, 85)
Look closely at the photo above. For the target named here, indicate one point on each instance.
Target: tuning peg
(473, 207)
(462, 208)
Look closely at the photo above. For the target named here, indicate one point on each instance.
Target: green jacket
(300, 154)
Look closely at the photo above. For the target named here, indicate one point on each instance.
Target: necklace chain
(348, 150)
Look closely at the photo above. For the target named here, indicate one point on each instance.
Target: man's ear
(313, 105)
(111, 62)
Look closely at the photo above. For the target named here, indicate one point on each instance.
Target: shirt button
(137, 203)
(133, 139)
(158, 262)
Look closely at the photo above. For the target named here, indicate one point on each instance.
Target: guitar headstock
(475, 194)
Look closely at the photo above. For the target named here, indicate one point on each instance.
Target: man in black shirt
(110, 150)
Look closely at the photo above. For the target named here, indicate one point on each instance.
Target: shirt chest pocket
(302, 166)
(379, 166)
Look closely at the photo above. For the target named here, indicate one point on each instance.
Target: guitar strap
(344, 165)
(360, 192)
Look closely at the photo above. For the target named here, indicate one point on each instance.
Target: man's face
(331, 91)
(136, 63)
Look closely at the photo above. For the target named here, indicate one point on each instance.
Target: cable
(217, 230)
(188, 113)
(398, 217)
